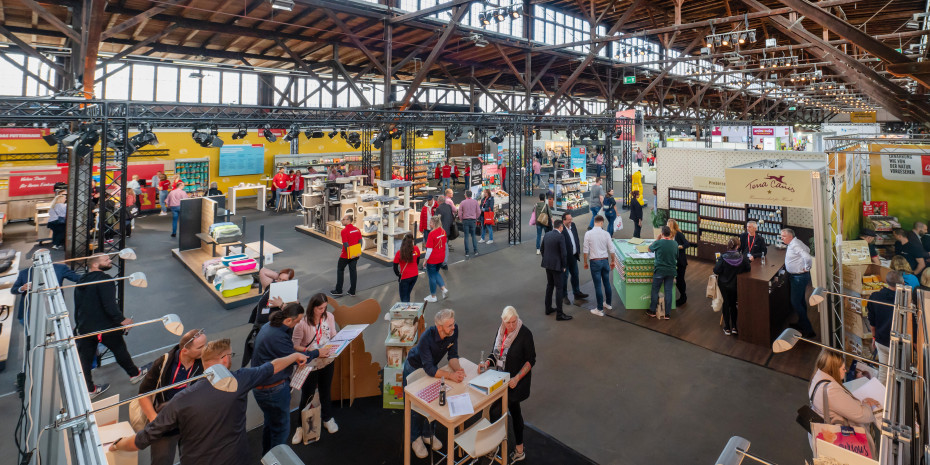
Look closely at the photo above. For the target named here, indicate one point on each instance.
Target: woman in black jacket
(683, 245)
(730, 264)
(515, 353)
(636, 213)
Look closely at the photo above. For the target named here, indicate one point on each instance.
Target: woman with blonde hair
(899, 263)
(683, 246)
(515, 353)
(827, 381)
(56, 220)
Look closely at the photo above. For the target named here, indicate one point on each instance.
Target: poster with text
(580, 163)
(900, 175)
(786, 188)
(236, 160)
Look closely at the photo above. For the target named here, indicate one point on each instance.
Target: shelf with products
(569, 190)
(195, 173)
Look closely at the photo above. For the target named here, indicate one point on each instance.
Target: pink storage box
(243, 265)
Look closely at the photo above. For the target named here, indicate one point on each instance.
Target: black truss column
(410, 150)
(366, 153)
(515, 180)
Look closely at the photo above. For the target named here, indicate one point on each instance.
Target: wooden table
(763, 299)
(232, 193)
(204, 237)
(480, 402)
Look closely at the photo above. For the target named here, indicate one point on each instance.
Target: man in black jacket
(573, 249)
(447, 218)
(96, 310)
(555, 260)
(752, 244)
(636, 214)
(182, 362)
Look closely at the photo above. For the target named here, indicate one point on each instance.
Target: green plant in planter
(659, 218)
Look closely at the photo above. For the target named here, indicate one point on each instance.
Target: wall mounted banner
(875, 208)
(782, 187)
(23, 133)
(915, 168)
(862, 117)
(703, 183)
(763, 131)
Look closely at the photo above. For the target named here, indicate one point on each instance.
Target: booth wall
(849, 204)
(677, 167)
(907, 190)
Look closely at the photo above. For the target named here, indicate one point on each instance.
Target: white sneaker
(597, 312)
(430, 298)
(434, 442)
(445, 293)
(298, 436)
(608, 307)
(481, 241)
(331, 426)
(387, 316)
(537, 251)
(418, 448)
(491, 241)
(162, 214)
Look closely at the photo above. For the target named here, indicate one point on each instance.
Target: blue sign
(237, 160)
(580, 163)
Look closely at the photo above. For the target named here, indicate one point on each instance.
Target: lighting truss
(786, 61)
(498, 15)
(730, 39)
(810, 76)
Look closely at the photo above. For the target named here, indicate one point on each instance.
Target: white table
(232, 193)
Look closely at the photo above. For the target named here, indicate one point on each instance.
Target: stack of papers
(489, 381)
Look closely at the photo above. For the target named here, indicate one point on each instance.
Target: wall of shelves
(712, 221)
(569, 190)
(195, 173)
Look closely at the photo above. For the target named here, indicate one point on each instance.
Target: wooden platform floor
(193, 259)
(697, 323)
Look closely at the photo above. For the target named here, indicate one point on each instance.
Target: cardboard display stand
(355, 375)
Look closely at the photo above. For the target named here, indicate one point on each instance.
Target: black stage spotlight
(313, 134)
(267, 134)
(499, 15)
(378, 142)
(293, 133)
(516, 12)
(144, 137)
(207, 136)
(484, 18)
(333, 133)
(498, 136)
(241, 132)
(342, 134)
(354, 140)
(395, 132)
(61, 131)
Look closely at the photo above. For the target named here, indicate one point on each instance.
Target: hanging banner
(763, 131)
(580, 163)
(875, 208)
(36, 182)
(915, 168)
(782, 187)
(862, 117)
(23, 133)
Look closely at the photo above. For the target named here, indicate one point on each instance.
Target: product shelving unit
(393, 203)
(195, 173)
(569, 191)
(712, 220)
(883, 227)
(411, 314)
(632, 277)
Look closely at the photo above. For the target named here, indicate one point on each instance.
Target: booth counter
(764, 299)
(632, 277)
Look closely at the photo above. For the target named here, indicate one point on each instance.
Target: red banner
(36, 182)
(148, 200)
(875, 208)
(925, 164)
(23, 133)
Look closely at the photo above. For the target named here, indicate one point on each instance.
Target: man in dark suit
(573, 251)
(446, 217)
(554, 260)
(752, 244)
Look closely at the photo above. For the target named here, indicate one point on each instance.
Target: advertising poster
(900, 175)
(785, 188)
(580, 163)
(236, 160)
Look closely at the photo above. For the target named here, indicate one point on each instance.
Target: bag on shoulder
(137, 417)
(543, 218)
(807, 415)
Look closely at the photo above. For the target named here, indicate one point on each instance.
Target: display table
(232, 193)
(480, 402)
(762, 319)
(632, 276)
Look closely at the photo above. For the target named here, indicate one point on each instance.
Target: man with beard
(96, 310)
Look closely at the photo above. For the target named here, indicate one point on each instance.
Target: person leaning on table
(845, 409)
(515, 353)
(436, 342)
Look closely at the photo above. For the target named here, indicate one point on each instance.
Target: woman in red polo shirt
(407, 267)
(435, 257)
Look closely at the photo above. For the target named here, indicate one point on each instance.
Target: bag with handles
(489, 218)
(807, 415)
(137, 417)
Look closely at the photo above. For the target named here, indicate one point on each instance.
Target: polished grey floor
(617, 393)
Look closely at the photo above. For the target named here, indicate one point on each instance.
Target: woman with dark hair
(683, 245)
(730, 264)
(636, 213)
(407, 267)
(265, 306)
(274, 397)
(609, 209)
(487, 205)
(542, 222)
(313, 333)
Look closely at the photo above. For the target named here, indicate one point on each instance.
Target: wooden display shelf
(193, 260)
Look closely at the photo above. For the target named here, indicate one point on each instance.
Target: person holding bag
(182, 362)
(730, 264)
(826, 389)
(407, 267)
(610, 211)
(487, 209)
(541, 214)
(351, 250)
(636, 213)
(313, 333)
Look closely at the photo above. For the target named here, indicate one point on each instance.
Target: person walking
(487, 205)
(407, 267)
(446, 175)
(639, 157)
(470, 214)
(543, 215)
(555, 260)
(427, 212)
(595, 200)
(164, 187)
(513, 352)
(274, 396)
(609, 211)
(56, 220)
(600, 256)
(173, 201)
(180, 363)
(798, 263)
(573, 249)
(210, 422)
(435, 257)
(599, 162)
(537, 171)
(682, 264)
(636, 214)
(446, 214)
(313, 333)
(96, 309)
(666, 250)
(729, 264)
(351, 236)
(24, 282)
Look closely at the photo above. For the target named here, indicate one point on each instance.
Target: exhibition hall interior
(464, 231)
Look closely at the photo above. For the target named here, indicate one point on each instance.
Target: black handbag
(806, 414)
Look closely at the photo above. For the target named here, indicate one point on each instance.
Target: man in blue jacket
(24, 283)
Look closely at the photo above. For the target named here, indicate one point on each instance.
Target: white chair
(482, 438)
(411, 378)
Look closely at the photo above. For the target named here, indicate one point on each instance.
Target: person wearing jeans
(487, 205)
(406, 267)
(798, 263)
(174, 203)
(435, 257)
(599, 256)
(351, 236)
(541, 228)
(470, 212)
(596, 200)
(666, 268)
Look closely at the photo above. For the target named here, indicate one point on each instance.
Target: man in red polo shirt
(350, 236)
(435, 257)
(281, 182)
(446, 175)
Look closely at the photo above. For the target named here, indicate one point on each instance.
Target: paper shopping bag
(310, 420)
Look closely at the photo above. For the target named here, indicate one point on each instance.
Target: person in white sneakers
(600, 257)
(487, 205)
(436, 342)
(314, 332)
(435, 257)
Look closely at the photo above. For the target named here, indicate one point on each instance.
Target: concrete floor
(615, 392)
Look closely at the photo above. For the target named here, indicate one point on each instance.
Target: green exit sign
(792, 108)
(900, 50)
(629, 79)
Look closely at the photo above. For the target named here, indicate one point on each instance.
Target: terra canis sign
(787, 188)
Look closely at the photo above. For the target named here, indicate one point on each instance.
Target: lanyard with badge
(502, 356)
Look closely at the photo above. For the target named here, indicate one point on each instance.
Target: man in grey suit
(554, 260)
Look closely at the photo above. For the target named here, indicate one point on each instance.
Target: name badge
(266, 310)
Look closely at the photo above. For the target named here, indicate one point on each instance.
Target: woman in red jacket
(455, 175)
(427, 212)
(297, 185)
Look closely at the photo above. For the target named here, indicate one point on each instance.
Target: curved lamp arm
(171, 321)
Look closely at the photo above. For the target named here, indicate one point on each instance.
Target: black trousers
(324, 379)
(680, 281)
(516, 418)
(555, 281)
(87, 351)
(637, 229)
(58, 232)
(340, 272)
(729, 306)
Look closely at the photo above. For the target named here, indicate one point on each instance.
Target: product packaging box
(852, 275)
(393, 388)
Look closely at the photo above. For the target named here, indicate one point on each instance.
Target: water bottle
(481, 360)
(442, 392)
(763, 259)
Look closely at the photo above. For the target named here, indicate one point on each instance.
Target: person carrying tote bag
(541, 215)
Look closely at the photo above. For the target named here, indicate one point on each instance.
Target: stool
(285, 202)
